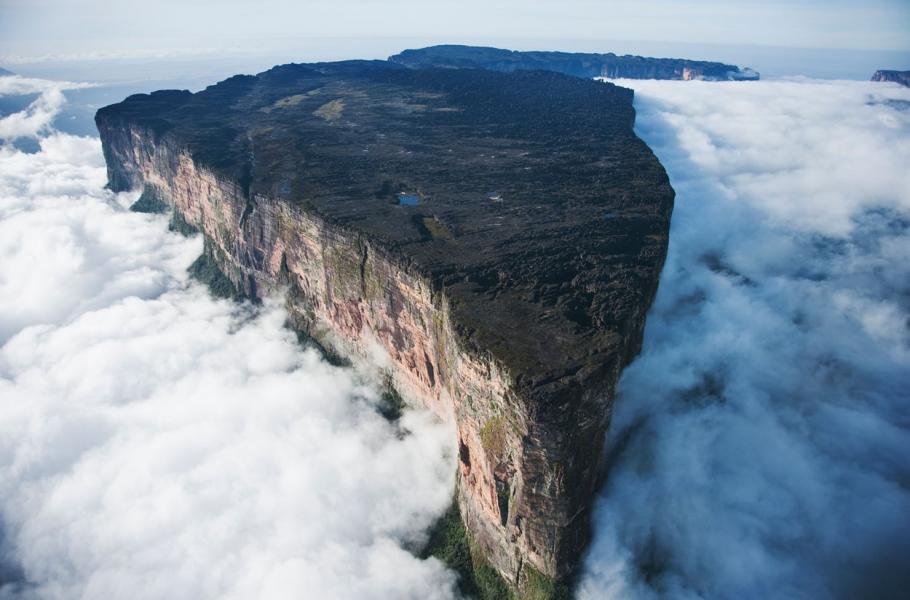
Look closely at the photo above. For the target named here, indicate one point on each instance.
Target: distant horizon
(770, 61)
(502, 43)
(75, 26)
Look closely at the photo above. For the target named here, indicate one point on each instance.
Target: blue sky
(32, 28)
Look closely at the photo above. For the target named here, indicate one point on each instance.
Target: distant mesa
(901, 77)
(578, 64)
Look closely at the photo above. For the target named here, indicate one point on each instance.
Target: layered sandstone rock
(511, 312)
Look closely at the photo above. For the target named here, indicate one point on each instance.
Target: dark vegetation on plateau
(541, 214)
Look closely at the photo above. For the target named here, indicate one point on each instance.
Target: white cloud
(17, 85)
(760, 442)
(37, 118)
(156, 443)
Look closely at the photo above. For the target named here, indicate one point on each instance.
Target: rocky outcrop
(572, 63)
(507, 296)
(901, 77)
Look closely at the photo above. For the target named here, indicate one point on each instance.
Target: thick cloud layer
(761, 442)
(37, 118)
(156, 443)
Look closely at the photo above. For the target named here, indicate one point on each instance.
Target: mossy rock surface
(493, 438)
(391, 404)
(205, 270)
(181, 225)
(537, 586)
(450, 543)
(150, 202)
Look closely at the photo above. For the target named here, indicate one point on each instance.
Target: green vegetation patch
(181, 225)
(538, 586)
(345, 272)
(328, 354)
(330, 111)
(205, 270)
(493, 437)
(150, 202)
(450, 543)
(285, 102)
(391, 404)
(437, 229)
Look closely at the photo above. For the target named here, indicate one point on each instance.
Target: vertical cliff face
(901, 77)
(530, 434)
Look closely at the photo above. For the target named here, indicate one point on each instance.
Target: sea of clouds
(157, 443)
(760, 446)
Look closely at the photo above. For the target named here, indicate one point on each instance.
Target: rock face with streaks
(496, 238)
(579, 64)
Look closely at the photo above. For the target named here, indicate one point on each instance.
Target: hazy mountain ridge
(577, 64)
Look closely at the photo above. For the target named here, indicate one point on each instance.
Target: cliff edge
(901, 77)
(498, 236)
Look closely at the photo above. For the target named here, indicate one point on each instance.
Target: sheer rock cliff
(901, 77)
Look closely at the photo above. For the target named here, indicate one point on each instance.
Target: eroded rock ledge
(509, 297)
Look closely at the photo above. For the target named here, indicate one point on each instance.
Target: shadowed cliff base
(150, 202)
(450, 542)
(205, 270)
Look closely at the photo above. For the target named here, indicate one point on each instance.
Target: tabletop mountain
(495, 238)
